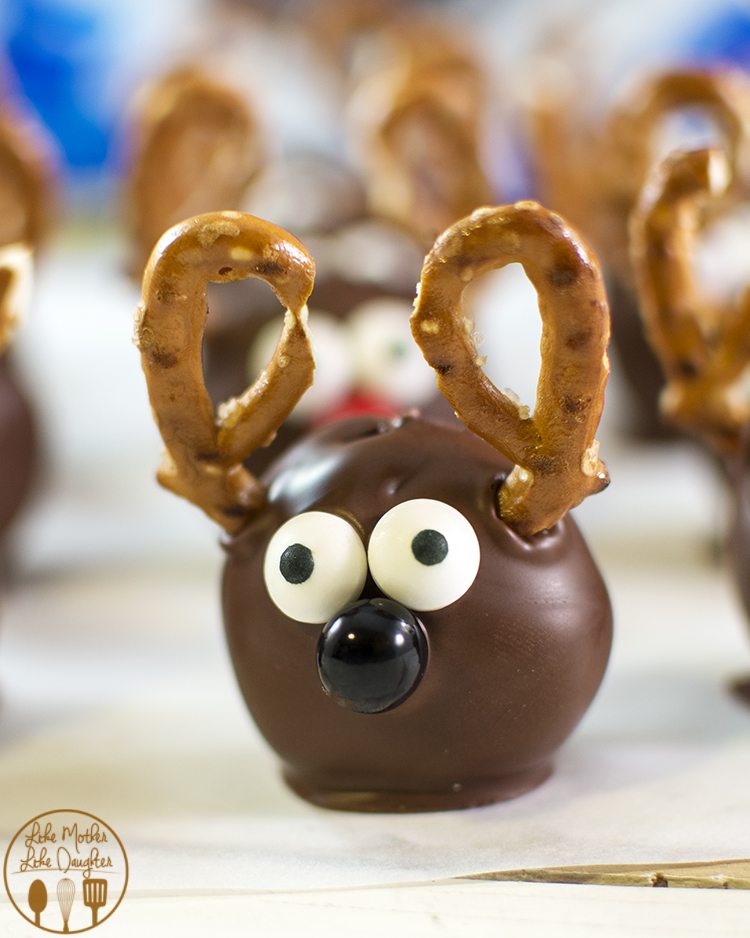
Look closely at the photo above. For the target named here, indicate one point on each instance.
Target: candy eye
(424, 554)
(387, 361)
(332, 370)
(315, 564)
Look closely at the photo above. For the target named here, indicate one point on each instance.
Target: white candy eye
(332, 369)
(424, 554)
(315, 564)
(387, 361)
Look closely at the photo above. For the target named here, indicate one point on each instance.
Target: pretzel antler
(554, 451)
(704, 347)
(15, 283)
(425, 170)
(204, 450)
(624, 167)
(26, 187)
(418, 118)
(197, 149)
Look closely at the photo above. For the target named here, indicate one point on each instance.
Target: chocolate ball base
(638, 364)
(739, 540)
(469, 794)
(740, 689)
(513, 664)
(17, 446)
(738, 473)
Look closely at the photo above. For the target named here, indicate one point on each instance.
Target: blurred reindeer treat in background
(640, 131)
(26, 211)
(703, 344)
(597, 173)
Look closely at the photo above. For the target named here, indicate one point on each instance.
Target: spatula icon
(94, 897)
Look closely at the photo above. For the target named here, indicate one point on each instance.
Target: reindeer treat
(703, 344)
(17, 440)
(415, 622)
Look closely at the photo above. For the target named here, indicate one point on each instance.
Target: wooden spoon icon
(37, 899)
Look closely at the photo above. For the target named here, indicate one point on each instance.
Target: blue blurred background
(77, 62)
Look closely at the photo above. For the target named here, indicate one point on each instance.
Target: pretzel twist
(554, 451)
(197, 148)
(703, 347)
(15, 282)
(204, 449)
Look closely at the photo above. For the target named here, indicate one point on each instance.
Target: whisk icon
(66, 891)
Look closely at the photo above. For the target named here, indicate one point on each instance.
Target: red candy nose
(357, 404)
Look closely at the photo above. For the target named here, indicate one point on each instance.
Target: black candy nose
(372, 655)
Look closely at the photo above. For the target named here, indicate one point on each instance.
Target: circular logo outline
(43, 814)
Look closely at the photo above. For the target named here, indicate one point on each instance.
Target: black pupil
(296, 563)
(429, 547)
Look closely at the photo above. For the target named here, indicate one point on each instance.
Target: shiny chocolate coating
(512, 665)
(17, 445)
